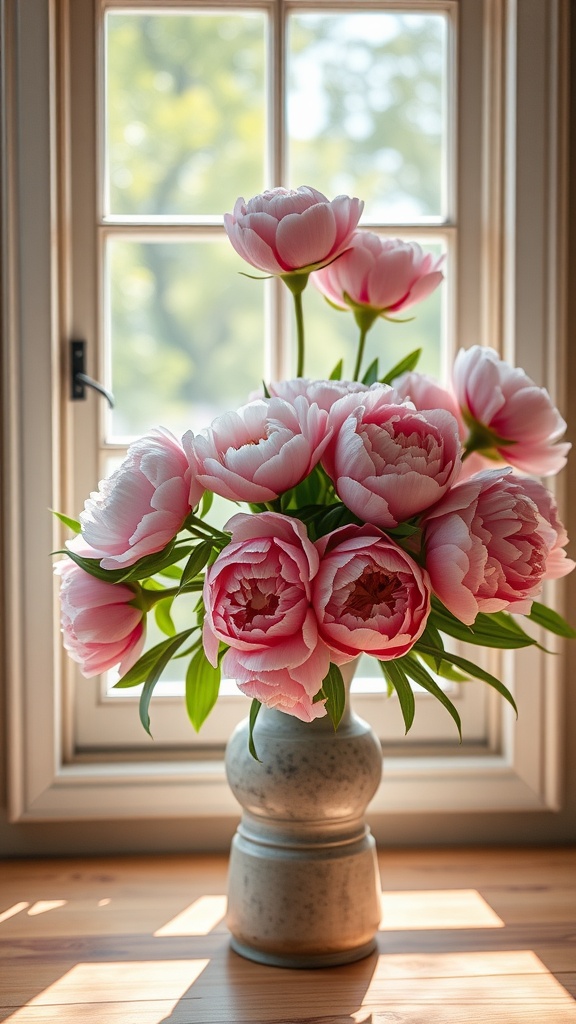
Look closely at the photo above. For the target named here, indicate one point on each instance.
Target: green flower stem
(297, 283)
(146, 599)
(201, 528)
(360, 353)
(364, 317)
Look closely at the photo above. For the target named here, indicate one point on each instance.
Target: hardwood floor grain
(470, 936)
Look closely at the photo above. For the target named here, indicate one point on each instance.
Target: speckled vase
(304, 888)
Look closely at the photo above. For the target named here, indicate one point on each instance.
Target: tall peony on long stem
(297, 283)
(378, 277)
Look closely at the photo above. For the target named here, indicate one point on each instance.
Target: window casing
(510, 103)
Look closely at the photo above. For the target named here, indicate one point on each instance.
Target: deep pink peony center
(254, 602)
(374, 592)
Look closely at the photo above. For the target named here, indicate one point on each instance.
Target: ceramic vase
(304, 888)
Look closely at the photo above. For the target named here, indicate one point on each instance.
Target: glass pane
(184, 336)
(333, 334)
(366, 109)
(185, 111)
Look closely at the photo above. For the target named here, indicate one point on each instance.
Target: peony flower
(490, 543)
(260, 451)
(100, 625)
(143, 505)
(508, 415)
(257, 596)
(368, 595)
(426, 393)
(285, 231)
(384, 275)
(323, 393)
(390, 462)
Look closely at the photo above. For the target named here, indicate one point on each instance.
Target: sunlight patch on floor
(133, 981)
(43, 906)
(12, 911)
(436, 908)
(198, 919)
(508, 980)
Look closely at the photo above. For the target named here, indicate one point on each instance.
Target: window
(95, 241)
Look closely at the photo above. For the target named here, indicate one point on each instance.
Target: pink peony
(260, 451)
(101, 627)
(507, 414)
(381, 274)
(284, 231)
(490, 543)
(257, 596)
(323, 393)
(390, 462)
(426, 393)
(143, 505)
(369, 595)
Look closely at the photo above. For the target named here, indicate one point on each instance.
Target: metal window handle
(79, 379)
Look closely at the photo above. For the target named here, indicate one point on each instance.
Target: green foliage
(254, 712)
(202, 687)
(395, 676)
(333, 691)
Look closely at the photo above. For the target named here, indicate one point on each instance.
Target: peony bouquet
(384, 515)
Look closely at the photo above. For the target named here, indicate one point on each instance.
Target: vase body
(303, 887)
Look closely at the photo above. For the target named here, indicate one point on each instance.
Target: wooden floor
(467, 937)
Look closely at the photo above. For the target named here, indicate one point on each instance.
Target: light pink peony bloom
(142, 506)
(426, 393)
(515, 418)
(323, 393)
(390, 462)
(369, 595)
(490, 543)
(261, 450)
(381, 274)
(101, 628)
(284, 231)
(257, 596)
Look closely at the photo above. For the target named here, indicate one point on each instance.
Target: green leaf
(266, 391)
(334, 691)
(485, 631)
(140, 670)
(202, 688)
(154, 675)
(405, 365)
(206, 504)
(254, 711)
(163, 617)
(141, 570)
(415, 669)
(371, 375)
(198, 559)
(551, 620)
(471, 669)
(173, 572)
(152, 564)
(72, 524)
(337, 371)
(444, 670)
(433, 639)
(396, 677)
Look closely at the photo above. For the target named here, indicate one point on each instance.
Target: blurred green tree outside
(186, 133)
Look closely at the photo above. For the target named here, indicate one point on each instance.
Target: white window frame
(514, 286)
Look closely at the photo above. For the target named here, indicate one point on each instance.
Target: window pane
(185, 111)
(332, 334)
(366, 109)
(185, 334)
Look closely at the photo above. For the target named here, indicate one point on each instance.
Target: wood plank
(467, 936)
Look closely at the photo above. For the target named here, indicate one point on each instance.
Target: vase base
(305, 961)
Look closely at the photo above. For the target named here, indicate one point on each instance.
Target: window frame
(522, 294)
